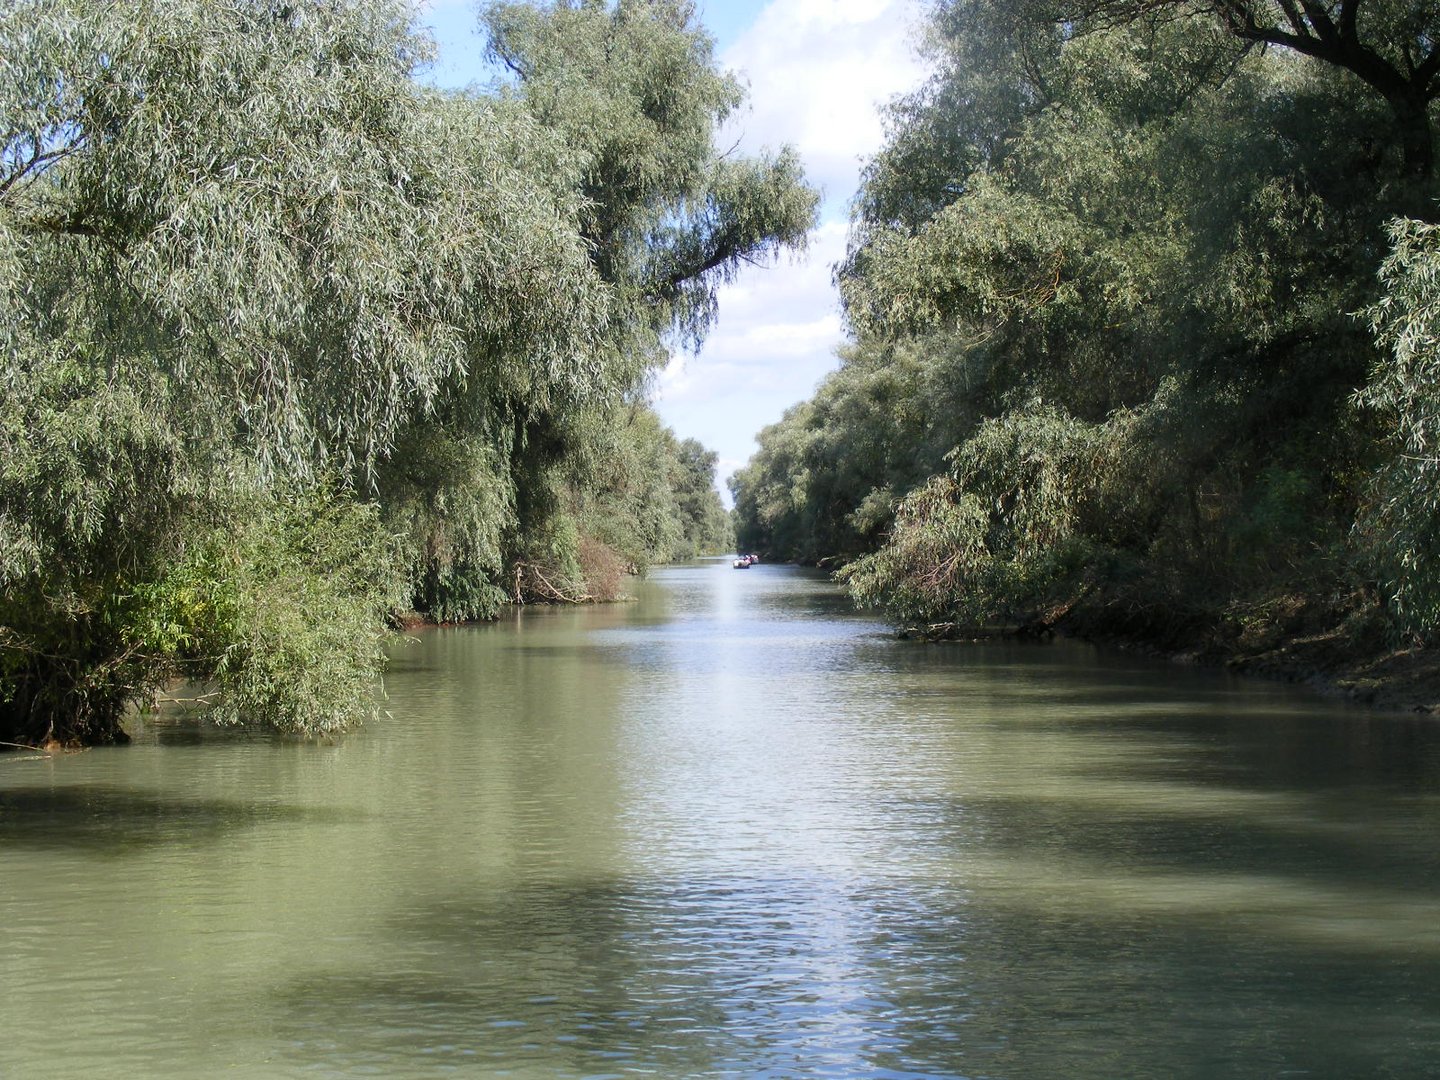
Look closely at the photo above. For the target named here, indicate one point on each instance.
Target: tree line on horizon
(1145, 303)
(293, 343)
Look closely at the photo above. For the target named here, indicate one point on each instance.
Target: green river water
(735, 830)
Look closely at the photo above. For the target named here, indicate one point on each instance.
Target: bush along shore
(1144, 324)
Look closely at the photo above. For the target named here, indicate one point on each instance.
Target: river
(733, 829)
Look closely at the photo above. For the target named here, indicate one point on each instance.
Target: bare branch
(38, 163)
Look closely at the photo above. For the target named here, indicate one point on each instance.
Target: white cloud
(819, 71)
(776, 336)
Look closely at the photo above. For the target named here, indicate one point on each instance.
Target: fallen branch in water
(49, 750)
(199, 699)
(529, 579)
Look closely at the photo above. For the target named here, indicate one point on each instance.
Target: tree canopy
(291, 342)
(1389, 47)
(1104, 279)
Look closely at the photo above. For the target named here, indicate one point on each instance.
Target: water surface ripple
(735, 830)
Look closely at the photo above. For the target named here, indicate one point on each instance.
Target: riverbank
(1338, 649)
(1339, 645)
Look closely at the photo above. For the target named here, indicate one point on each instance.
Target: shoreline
(1331, 660)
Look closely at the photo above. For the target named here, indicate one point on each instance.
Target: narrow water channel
(734, 830)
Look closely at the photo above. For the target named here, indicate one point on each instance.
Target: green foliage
(933, 562)
(276, 600)
(281, 611)
(826, 479)
(547, 565)
(262, 199)
(1401, 524)
(450, 500)
(1101, 279)
(632, 94)
(1383, 48)
(633, 89)
(287, 340)
(979, 544)
(705, 525)
(622, 487)
(91, 471)
(626, 494)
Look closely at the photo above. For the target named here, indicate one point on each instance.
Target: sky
(818, 72)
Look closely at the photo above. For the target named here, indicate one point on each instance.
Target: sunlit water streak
(734, 830)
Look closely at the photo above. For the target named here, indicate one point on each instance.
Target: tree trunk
(1417, 137)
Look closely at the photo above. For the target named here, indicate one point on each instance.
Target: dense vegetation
(291, 343)
(1145, 308)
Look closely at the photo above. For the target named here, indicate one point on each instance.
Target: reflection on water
(733, 830)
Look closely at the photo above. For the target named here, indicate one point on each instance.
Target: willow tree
(504, 475)
(290, 340)
(1400, 525)
(1390, 47)
(239, 250)
(634, 91)
(1125, 246)
(705, 524)
(826, 480)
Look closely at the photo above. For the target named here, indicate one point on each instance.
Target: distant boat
(743, 563)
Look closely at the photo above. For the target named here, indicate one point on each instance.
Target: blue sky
(817, 71)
